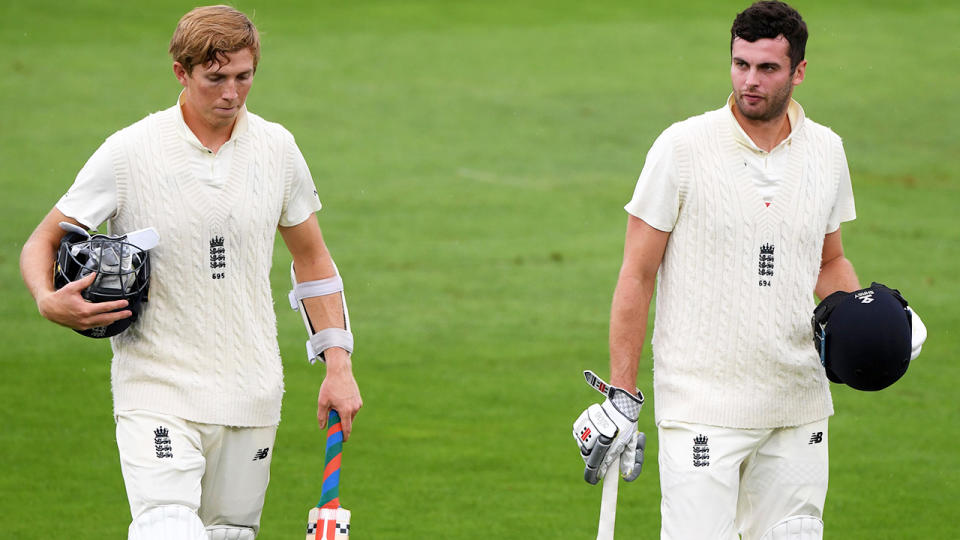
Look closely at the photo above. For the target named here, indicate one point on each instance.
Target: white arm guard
(321, 340)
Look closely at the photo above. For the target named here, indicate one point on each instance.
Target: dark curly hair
(769, 20)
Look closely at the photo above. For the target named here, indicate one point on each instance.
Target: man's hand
(339, 391)
(67, 307)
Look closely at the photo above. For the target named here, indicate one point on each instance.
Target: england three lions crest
(218, 257)
(701, 451)
(765, 269)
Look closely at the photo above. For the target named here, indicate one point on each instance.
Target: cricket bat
(328, 520)
(611, 479)
(608, 502)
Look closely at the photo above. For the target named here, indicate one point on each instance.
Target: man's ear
(800, 72)
(180, 73)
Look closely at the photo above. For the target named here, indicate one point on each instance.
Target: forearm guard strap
(325, 338)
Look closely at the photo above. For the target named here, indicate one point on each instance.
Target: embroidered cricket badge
(766, 265)
(162, 443)
(218, 257)
(701, 451)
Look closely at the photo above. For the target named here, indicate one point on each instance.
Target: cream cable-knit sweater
(205, 348)
(732, 339)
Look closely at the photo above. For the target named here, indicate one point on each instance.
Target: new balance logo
(261, 454)
(701, 452)
(816, 438)
(161, 443)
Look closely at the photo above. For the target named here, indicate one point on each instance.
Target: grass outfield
(473, 158)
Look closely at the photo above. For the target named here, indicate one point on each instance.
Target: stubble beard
(776, 105)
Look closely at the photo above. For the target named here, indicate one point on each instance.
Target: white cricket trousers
(220, 472)
(718, 482)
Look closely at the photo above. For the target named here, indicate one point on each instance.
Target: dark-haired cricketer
(735, 222)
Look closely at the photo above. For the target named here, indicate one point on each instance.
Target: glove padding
(918, 334)
(631, 460)
(608, 431)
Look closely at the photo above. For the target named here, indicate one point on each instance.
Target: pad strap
(325, 338)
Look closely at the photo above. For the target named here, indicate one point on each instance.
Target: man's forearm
(628, 328)
(836, 274)
(39, 252)
(324, 311)
(36, 266)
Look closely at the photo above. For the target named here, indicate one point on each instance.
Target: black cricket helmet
(122, 268)
(863, 337)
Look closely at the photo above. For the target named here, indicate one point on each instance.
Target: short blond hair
(207, 34)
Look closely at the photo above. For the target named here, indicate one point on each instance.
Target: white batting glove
(631, 460)
(919, 334)
(608, 431)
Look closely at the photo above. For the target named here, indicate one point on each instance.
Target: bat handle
(330, 494)
(608, 502)
(333, 418)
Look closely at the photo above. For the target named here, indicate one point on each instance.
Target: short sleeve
(92, 199)
(843, 207)
(656, 198)
(303, 199)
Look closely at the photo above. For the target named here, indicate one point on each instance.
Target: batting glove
(608, 431)
(918, 334)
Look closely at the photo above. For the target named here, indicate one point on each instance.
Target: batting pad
(221, 532)
(796, 528)
(169, 521)
(328, 524)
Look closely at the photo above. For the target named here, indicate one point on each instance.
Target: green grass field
(473, 158)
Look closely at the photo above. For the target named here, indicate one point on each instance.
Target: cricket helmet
(122, 268)
(863, 337)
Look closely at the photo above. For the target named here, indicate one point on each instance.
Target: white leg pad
(169, 522)
(225, 532)
(796, 528)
